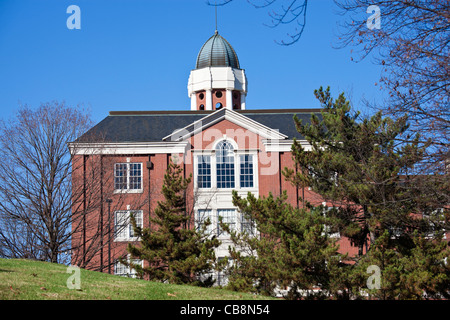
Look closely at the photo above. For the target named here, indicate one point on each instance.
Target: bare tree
(289, 12)
(411, 42)
(54, 192)
(95, 203)
(35, 181)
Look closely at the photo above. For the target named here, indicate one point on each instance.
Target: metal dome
(217, 52)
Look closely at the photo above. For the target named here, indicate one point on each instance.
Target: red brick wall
(87, 171)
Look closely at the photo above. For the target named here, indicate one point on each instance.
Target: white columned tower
(217, 80)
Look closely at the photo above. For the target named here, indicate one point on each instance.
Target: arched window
(225, 164)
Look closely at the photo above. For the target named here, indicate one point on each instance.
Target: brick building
(120, 163)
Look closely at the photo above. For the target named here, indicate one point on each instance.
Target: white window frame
(335, 235)
(128, 176)
(201, 215)
(124, 234)
(237, 167)
(246, 174)
(214, 228)
(203, 175)
(233, 225)
(126, 270)
(232, 162)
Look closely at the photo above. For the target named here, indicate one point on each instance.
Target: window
(202, 217)
(327, 228)
(247, 225)
(128, 176)
(229, 217)
(122, 224)
(125, 271)
(435, 224)
(226, 168)
(220, 277)
(225, 165)
(235, 220)
(246, 176)
(120, 176)
(204, 172)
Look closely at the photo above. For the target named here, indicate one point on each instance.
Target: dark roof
(152, 126)
(217, 52)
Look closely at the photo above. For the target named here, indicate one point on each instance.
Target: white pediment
(225, 114)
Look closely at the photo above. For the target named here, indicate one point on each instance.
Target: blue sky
(137, 55)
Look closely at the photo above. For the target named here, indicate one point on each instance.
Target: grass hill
(34, 280)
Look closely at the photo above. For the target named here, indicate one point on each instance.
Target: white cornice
(283, 145)
(128, 148)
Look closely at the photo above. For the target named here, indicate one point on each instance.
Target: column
(208, 105)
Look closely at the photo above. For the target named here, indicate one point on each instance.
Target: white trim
(273, 145)
(229, 99)
(133, 148)
(128, 224)
(216, 78)
(231, 141)
(128, 190)
(208, 95)
(213, 214)
(129, 272)
(237, 174)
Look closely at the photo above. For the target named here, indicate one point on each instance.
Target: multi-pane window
(203, 215)
(246, 172)
(229, 217)
(124, 270)
(128, 176)
(218, 170)
(204, 172)
(247, 225)
(123, 227)
(135, 176)
(225, 165)
(120, 176)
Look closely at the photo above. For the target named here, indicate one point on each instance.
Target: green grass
(34, 280)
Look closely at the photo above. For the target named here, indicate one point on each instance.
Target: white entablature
(209, 79)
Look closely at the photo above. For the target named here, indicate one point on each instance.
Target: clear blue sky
(137, 55)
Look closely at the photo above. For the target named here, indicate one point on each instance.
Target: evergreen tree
(364, 167)
(361, 166)
(291, 251)
(174, 253)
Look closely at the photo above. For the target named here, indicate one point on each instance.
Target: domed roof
(217, 52)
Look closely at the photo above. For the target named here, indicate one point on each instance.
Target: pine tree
(291, 251)
(359, 165)
(174, 254)
(364, 167)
